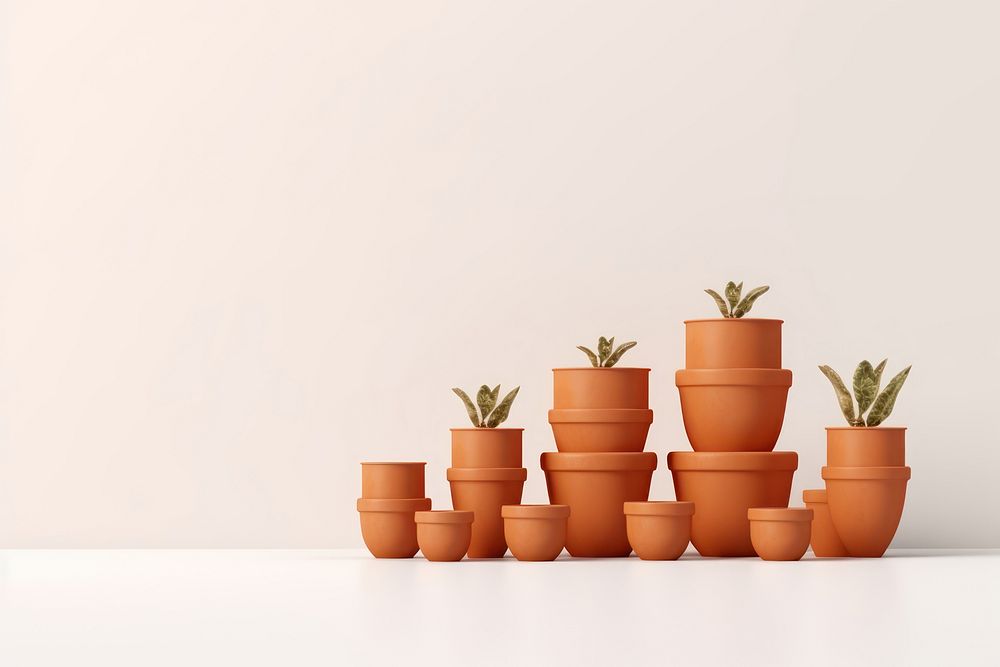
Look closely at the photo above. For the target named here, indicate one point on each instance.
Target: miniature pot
(609, 430)
(392, 480)
(535, 532)
(595, 388)
(484, 491)
(861, 446)
(723, 486)
(444, 535)
(387, 525)
(824, 540)
(486, 447)
(865, 506)
(779, 533)
(733, 410)
(659, 530)
(733, 343)
(595, 486)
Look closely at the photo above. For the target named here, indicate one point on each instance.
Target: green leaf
(495, 394)
(486, 401)
(843, 396)
(720, 302)
(617, 354)
(885, 402)
(590, 355)
(878, 375)
(603, 348)
(865, 387)
(469, 407)
(747, 303)
(499, 415)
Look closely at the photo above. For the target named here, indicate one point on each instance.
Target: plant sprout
(732, 306)
(607, 355)
(867, 381)
(489, 415)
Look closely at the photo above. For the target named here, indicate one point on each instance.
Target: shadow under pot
(824, 539)
(486, 447)
(607, 430)
(866, 505)
(723, 486)
(780, 533)
(864, 446)
(535, 532)
(444, 535)
(743, 342)
(484, 491)
(596, 486)
(387, 525)
(392, 479)
(659, 530)
(733, 410)
(598, 388)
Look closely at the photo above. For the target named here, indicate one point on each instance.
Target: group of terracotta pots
(391, 495)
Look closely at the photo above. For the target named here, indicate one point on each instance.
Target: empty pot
(607, 430)
(780, 533)
(659, 530)
(444, 535)
(535, 532)
(387, 525)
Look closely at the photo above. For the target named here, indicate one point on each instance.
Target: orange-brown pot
(444, 535)
(865, 506)
(733, 343)
(659, 530)
(595, 486)
(589, 388)
(535, 532)
(486, 447)
(392, 480)
(824, 539)
(780, 533)
(733, 410)
(484, 491)
(609, 430)
(860, 446)
(387, 525)
(723, 486)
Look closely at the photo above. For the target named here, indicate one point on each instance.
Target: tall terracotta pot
(486, 447)
(596, 388)
(866, 505)
(744, 342)
(862, 446)
(484, 491)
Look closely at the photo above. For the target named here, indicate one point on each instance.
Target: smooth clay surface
(590, 388)
(484, 491)
(659, 530)
(607, 430)
(486, 447)
(444, 535)
(535, 532)
(823, 539)
(733, 343)
(387, 526)
(866, 505)
(778, 533)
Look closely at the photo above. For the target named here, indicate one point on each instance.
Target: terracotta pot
(659, 530)
(860, 446)
(486, 447)
(865, 506)
(484, 491)
(780, 534)
(733, 410)
(610, 430)
(723, 486)
(590, 388)
(392, 480)
(535, 532)
(444, 535)
(733, 343)
(387, 525)
(595, 486)
(824, 540)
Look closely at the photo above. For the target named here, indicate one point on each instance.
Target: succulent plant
(866, 381)
(732, 306)
(607, 354)
(489, 414)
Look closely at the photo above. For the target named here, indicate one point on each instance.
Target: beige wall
(246, 245)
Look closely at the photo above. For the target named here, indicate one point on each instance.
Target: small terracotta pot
(733, 343)
(780, 533)
(392, 479)
(860, 446)
(659, 530)
(486, 447)
(535, 532)
(595, 486)
(723, 486)
(733, 410)
(865, 506)
(484, 491)
(824, 540)
(610, 430)
(444, 535)
(595, 388)
(387, 525)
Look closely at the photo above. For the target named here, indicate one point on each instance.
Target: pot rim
(534, 511)
(659, 508)
(393, 504)
(865, 428)
(487, 474)
(394, 463)
(483, 428)
(733, 377)
(601, 368)
(598, 461)
(734, 319)
(865, 472)
(444, 516)
(732, 461)
(814, 495)
(600, 415)
(781, 514)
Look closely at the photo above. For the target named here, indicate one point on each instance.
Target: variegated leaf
(747, 303)
(603, 348)
(843, 396)
(878, 375)
(486, 400)
(733, 294)
(469, 406)
(864, 386)
(617, 354)
(594, 361)
(720, 302)
(886, 401)
(499, 415)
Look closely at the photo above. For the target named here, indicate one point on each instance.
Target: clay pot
(860, 446)
(589, 388)
(865, 506)
(535, 532)
(659, 530)
(609, 430)
(392, 480)
(387, 525)
(733, 410)
(779, 533)
(824, 540)
(444, 535)
(484, 491)
(723, 486)
(595, 486)
(486, 447)
(733, 343)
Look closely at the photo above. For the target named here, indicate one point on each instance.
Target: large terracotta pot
(860, 446)
(486, 447)
(659, 530)
(575, 388)
(596, 486)
(387, 525)
(865, 506)
(392, 480)
(609, 430)
(535, 532)
(733, 410)
(723, 486)
(484, 491)
(824, 539)
(733, 343)
(779, 533)
(444, 535)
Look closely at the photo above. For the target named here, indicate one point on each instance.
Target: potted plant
(735, 341)
(486, 445)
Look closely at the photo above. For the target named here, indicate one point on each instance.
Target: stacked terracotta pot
(733, 393)
(391, 493)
